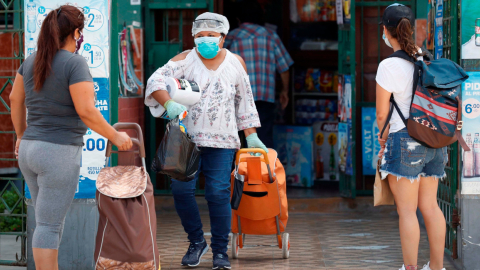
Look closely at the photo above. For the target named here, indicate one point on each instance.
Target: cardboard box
(326, 151)
(294, 145)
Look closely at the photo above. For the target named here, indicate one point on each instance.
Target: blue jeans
(216, 165)
(404, 157)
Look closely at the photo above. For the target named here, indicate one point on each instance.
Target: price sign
(42, 14)
(94, 19)
(93, 54)
(471, 108)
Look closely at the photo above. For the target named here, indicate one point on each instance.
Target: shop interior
(326, 136)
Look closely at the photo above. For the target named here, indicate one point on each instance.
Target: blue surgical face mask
(208, 46)
(387, 41)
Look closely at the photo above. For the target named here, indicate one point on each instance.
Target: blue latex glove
(254, 142)
(174, 109)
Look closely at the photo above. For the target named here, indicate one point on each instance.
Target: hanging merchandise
(342, 146)
(339, 10)
(439, 30)
(346, 11)
(181, 91)
(344, 98)
(129, 83)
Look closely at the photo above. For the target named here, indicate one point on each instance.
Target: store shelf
(316, 94)
(316, 59)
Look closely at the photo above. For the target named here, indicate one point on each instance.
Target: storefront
(326, 136)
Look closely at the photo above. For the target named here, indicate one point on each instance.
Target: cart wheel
(286, 245)
(235, 245)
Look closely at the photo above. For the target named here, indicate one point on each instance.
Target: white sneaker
(403, 267)
(427, 267)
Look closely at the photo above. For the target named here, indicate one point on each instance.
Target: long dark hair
(57, 26)
(403, 33)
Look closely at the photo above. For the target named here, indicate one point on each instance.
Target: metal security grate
(447, 189)
(12, 206)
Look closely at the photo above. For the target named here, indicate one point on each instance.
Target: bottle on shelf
(476, 151)
(468, 158)
(31, 20)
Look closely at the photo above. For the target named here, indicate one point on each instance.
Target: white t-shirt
(396, 76)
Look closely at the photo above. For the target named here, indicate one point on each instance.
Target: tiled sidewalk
(352, 240)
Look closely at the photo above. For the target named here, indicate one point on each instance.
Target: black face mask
(79, 42)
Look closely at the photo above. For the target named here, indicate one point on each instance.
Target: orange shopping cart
(263, 207)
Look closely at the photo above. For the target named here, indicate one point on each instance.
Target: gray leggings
(51, 172)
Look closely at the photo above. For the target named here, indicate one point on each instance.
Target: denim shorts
(405, 157)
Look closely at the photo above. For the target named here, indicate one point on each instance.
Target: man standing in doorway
(264, 54)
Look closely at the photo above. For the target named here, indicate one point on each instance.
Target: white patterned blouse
(226, 104)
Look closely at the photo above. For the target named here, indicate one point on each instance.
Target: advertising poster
(342, 146)
(439, 30)
(350, 148)
(326, 151)
(470, 31)
(471, 134)
(470, 39)
(370, 144)
(430, 25)
(294, 145)
(95, 49)
(344, 98)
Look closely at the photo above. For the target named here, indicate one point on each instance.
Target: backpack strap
(403, 55)
(392, 107)
(458, 129)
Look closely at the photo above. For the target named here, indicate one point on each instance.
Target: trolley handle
(254, 150)
(251, 150)
(138, 142)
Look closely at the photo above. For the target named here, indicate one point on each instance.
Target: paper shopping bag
(382, 195)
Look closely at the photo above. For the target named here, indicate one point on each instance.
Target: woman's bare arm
(18, 107)
(83, 98)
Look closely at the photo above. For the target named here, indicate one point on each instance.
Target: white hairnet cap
(212, 16)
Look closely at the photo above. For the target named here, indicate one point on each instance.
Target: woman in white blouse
(226, 106)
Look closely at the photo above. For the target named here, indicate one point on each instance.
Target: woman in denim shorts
(412, 170)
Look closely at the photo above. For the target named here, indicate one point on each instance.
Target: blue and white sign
(96, 51)
(370, 144)
(439, 30)
(471, 134)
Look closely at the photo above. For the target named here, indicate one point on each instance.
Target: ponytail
(56, 28)
(403, 33)
(48, 46)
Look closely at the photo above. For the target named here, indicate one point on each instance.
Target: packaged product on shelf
(312, 80)
(299, 81)
(332, 13)
(326, 150)
(295, 144)
(326, 81)
(335, 82)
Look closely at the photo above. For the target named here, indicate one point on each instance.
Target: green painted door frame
(12, 195)
(158, 51)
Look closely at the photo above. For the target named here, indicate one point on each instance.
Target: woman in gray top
(56, 87)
